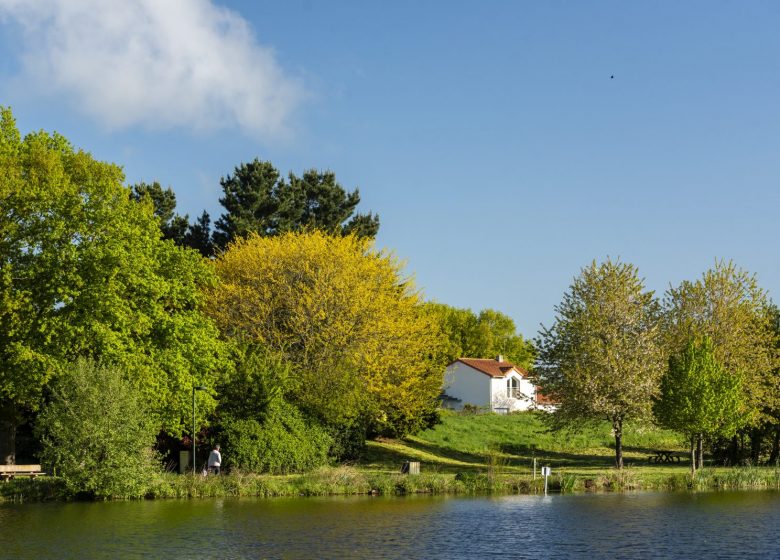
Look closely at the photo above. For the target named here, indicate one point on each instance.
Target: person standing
(215, 460)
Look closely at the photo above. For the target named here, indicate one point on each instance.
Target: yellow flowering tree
(352, 328)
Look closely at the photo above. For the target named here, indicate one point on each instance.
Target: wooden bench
(8, 472)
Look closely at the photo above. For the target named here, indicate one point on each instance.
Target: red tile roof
(493, 368)
(542, 398)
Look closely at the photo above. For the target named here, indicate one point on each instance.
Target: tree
(258, 200)
(699, 398)
(340, 313)
(500, 337)
(727, 306)
(97, 433)
(489, 334)
(259, 428)
(198, 236)
(84, 272)
(774, 412)
(602, 358)
(163, 203)
(173, 226)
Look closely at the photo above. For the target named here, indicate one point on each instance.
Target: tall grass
(353, 481)
(737, 478)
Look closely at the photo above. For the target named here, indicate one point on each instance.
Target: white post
(546, 471)
(534, 468)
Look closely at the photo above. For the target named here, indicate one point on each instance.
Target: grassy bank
(469, 441)
(466, 455)
(333, 481)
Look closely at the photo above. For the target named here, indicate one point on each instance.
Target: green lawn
(466, 454)
(470, 442)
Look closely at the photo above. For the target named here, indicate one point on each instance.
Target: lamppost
(195, 388)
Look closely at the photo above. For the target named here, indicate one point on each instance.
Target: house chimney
(499, 358)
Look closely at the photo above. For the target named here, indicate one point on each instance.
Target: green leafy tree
(163, 203)
(260, 378)
(489, 334)
(84, 272)
(258, 200)
(773, 424)
(501, 337)
(727, 305)
(198, 236)
(97, 433)
(602, 358)
(261, 431)
(699, 398)
(195, 235)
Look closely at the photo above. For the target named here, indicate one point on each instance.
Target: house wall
(503, 403)
(467, 384)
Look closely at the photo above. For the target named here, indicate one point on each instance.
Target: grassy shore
(467, 455)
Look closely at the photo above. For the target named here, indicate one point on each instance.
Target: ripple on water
(715, 525)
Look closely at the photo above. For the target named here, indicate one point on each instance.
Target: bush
(284, 442)
(348, 440)
(97, 435)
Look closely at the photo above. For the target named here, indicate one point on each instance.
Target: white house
(495, 384)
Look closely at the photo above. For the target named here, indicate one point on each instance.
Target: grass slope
(470, 442)
(463, 455)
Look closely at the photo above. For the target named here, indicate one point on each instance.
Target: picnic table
(662, 456)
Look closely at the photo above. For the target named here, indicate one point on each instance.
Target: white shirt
(215, 459)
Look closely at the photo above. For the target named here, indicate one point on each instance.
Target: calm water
(713, 525)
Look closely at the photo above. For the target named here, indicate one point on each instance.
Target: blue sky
(489, 136)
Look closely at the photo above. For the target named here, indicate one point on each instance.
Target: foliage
(602, 358)
(173, 226)
(698, 396)
(283, 442)
(487, 335)
(198, 235)
(259, 379)
(84, 272)
(340, 313)
(727, 306)
(258, 200)
(97, 433)
(163, 203)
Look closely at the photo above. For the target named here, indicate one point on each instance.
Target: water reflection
(717, 525)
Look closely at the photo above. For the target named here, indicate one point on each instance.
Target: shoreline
(352, 481)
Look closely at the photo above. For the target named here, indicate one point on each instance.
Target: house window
(513, 388)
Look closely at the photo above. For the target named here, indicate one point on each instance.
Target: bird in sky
(612, 77)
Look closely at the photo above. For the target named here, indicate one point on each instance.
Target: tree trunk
(693, 455)
(741, 457)
(734, 451)
(700, 451)
(774, 457)
(617, 426)
(9, 420)
(756, 439)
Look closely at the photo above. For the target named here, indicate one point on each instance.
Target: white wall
(472, 386)
(504, 403)
(467, 384)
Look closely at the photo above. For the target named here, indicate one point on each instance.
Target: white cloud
(158, 63)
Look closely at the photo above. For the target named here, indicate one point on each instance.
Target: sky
(504, 144)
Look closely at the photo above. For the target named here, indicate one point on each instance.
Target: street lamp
(195, 388)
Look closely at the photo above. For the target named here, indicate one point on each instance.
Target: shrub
(284, 442)
(97, 435)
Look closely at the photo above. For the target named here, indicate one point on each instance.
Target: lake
(633, 525)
